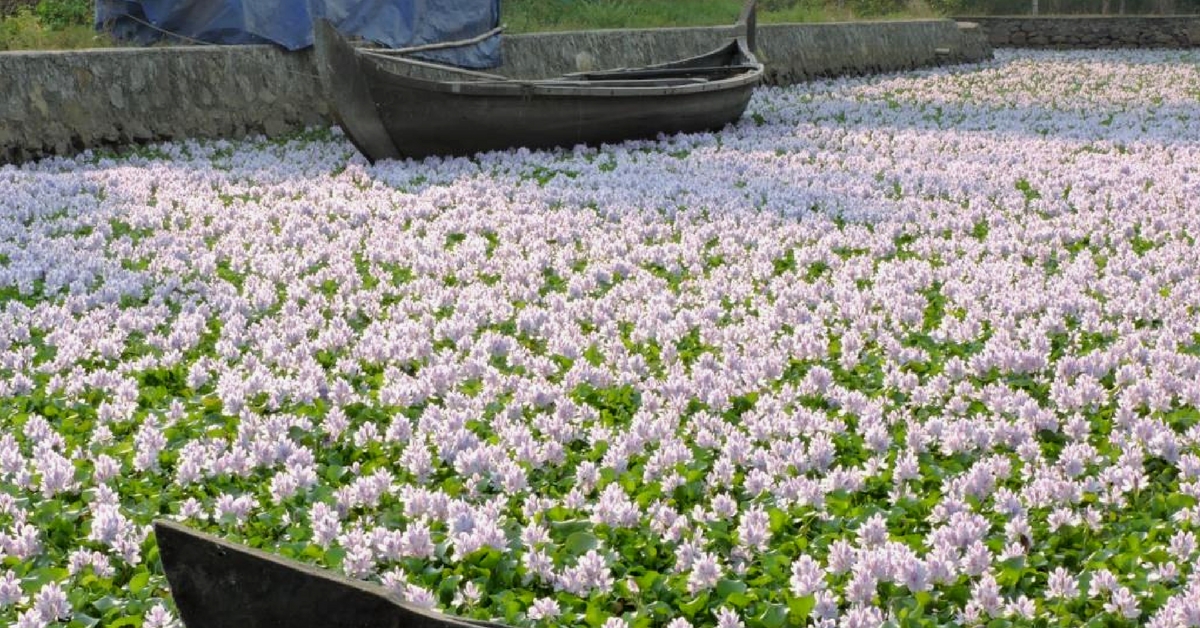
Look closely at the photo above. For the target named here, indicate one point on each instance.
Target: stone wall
(791, 52)
(1171, 31)
(63, 102)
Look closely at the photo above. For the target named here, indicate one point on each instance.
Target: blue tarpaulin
(288, 23)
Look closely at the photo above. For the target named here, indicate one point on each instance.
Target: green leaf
(774, 566)
(571, 527)
(649, 581)
(595, 615)
(447, 586)
(107, 603)
(799, 609)
(580, 543)
(45, 575)
(740, 600)
(334, 472)
(775, 616)
(79, 620)
(334, 557)
(642, 621)
(779, 520)
(138, 581)
(485, 557)
(691, 608)
(728, 587)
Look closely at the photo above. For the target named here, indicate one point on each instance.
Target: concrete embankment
(1091, 31)
(65, 101)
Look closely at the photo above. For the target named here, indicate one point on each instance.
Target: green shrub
(948, 7)
(875, 8)
(25, 30)
(20, 31)
(60, 14)
(12, 7)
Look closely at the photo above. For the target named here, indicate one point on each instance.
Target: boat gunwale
(509, 87)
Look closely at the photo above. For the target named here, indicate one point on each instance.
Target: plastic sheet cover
(288, 23)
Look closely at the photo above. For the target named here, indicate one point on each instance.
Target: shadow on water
(846, 105)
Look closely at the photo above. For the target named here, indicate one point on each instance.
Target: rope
(208, 43)
(438, 46)
(167, 32)
(377, 51)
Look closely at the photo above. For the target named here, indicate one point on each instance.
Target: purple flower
(706, 572)
(728, 618)
(10, 589)
(873, 532)
(1123, 603)
(755, 529)
(544, 608)
(159, 617)
(1061, 585)
(590, 573)
(807, 576)
(51, 604)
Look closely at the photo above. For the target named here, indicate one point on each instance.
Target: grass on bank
(37, 28)
(553, 15)
(26, 31)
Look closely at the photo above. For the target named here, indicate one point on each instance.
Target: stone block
(1092, 31)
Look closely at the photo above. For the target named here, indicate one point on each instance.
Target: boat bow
(219, 584)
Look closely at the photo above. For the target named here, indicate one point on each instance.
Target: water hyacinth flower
(22, 541)
(31, 619)
(51, 604)
(1123, 603)
(98, 563)
(939, 320)
(544, 608)
(706, 571)
(56, 471)
(589, 574)
(754, 531)
(1061, 585)
(325, 524)
(420, 597)
(469, 595)
(159, 617)
(728, 618)
(807, 576)
(10, 589)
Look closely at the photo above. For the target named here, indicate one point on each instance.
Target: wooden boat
(218, 584)
(393, 106)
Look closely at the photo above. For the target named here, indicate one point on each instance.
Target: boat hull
(394, 106)
(218, 584)
(422, 122)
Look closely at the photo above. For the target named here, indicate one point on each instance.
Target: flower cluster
(918, 347)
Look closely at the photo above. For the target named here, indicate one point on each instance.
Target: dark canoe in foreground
(218, 584)
(392, 106)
